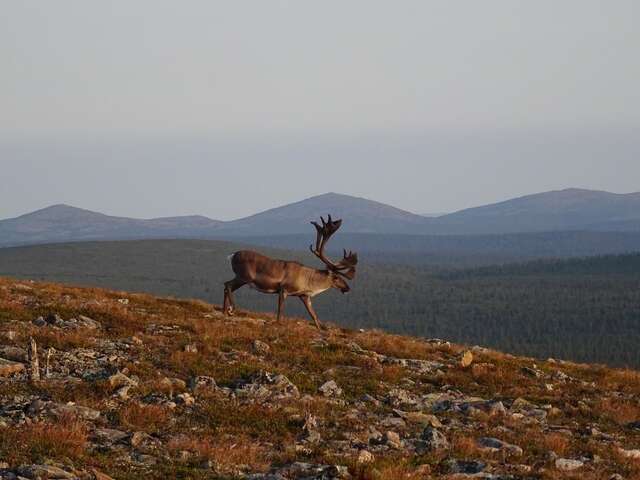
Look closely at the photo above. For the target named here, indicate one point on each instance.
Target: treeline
(584, 309)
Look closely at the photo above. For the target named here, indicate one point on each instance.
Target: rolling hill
(569, 209)
(60, 223)
(564, 210)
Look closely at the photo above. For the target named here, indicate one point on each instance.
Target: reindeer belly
(265, 283)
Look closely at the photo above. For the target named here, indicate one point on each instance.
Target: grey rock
(330, 389)
(465, 466)
(119, 379)
(9, 367)
(202, 382)
(496, 444)
(260, 348)
(86, 413)
(39, 322)
(16, 354)
(90, 323)
(434, 439)
(392, 439)
(109, 435)
(568, 464)
(42, 472)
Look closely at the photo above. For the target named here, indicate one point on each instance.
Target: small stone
(54, 319)
(260, 348)
(191, 348)
(466, 466)
(185, 399)
(202, 382)
(45, 471)
(330, 389)
(109, 435)
(9, 367)
(100, 476)
(173, 383)
(123, 392)
(39, 322)
(420, 418)
(495, 444)
(88, 322)
(568, 464)
(86, 413)
(121, 380)
(434, 439)
(497, 408)
(365, 456)
(16, 354)
(634, 454)
(392, 439)
(466, 359)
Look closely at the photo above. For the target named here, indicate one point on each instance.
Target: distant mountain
(360, 215)
(564, 210)
(60, 223)
(570, 209)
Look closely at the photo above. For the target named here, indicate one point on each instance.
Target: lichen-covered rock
(330, 389)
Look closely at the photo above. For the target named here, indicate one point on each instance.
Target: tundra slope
(136, 386)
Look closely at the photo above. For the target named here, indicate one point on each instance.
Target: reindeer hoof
(230, 311)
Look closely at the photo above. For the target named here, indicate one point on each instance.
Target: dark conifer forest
(582, 309)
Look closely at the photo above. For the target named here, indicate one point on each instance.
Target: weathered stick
(47, 368)
(33, 360)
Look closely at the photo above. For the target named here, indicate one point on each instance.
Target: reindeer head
(345, 268)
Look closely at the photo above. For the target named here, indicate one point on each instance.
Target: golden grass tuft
(226, 452)
(65, 438)
(148, 418)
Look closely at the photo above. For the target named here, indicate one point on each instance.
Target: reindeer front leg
(312, 313)
(281, 298)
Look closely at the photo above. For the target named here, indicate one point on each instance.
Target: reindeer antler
(324, 232)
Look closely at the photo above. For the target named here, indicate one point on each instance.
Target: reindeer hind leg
(231, 286)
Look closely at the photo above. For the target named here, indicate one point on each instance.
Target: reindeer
(287, 278)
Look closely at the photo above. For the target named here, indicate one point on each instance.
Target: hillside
(564, 210)
(135, 386)
(59, 223)
(569, 209)
(584, 309)
(364, 216)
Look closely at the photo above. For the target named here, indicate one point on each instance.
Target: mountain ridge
(570, 209)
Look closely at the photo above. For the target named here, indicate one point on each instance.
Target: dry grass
(232, 433)
(557, 443)
(66, 438)
(226, 452)
(620, 411)
(148, 418)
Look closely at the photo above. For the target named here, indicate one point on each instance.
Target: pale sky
(152, 108)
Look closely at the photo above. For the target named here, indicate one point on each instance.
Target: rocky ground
(97, 384)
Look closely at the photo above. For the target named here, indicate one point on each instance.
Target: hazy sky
(150, 108)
